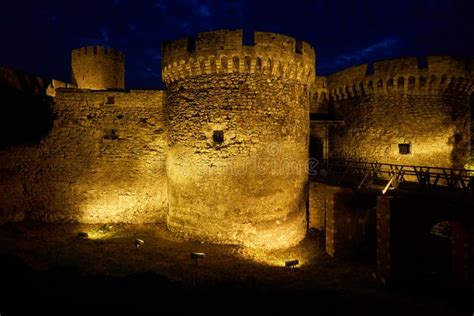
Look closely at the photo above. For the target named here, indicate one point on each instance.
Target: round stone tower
(98, 68)
(238, 136)
(403, 112)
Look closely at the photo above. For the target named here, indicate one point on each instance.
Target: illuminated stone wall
(104, 160)
(319, 96)
(13, 205)
(222, 155)
(98, 68)
(250, 188)
(401, 103)
(344, 216)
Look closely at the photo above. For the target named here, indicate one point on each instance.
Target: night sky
(37, 36)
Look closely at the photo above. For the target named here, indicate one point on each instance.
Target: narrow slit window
(218, 136)
(404, 149)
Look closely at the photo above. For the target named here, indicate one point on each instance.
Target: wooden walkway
(392, 175)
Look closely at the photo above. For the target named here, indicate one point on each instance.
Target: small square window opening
(110, 100)
(218, 136)
(404, 149)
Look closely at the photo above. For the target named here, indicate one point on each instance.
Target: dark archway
(448, 251)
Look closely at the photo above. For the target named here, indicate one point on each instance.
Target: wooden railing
(427, 177)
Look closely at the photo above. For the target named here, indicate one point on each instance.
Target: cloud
(159, 4)
(103, 40)
(52, 19)
(105, 36)
(153, 73)
(204, 10)
(367, 52)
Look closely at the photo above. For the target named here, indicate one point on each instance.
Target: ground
(46, 267)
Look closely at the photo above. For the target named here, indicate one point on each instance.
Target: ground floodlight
(138, 243)
(83, 235)
(196, 256)
(292, 263)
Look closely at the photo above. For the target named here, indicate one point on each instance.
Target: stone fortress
(222, 154)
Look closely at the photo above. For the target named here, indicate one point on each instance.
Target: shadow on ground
(45, 269)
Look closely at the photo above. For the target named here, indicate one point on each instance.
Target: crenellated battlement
(404, 76)
(319, 95)
(98, 51)
(222, 52)
(98, 68)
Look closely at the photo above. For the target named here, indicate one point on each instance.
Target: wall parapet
(57, 84)
(403, 76)
(223, 52)
(98, 51)
(113, 98)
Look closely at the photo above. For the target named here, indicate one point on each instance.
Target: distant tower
(98, 68)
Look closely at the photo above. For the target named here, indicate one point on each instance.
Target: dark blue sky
(37, 36)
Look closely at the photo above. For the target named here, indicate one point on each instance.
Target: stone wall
(23, 82)
(13, 203)
(384, 239)
(103, 161)
(223, 155)
(343, 215)
(318, 205)
(249, 187)
(19, 169)
(401, 103)
(319, 96)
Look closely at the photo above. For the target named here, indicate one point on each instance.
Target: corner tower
(98, 68)
(428, 121)
(238, 137)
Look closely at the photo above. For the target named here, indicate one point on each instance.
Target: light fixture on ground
(139, 242)
(83, 235)
(292, 263)
(196, 256)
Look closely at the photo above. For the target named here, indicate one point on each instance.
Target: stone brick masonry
(250, 187)
(401, 103)
(221, 154)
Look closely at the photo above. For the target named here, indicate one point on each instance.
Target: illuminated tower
(238, 137)
(403, 113)
(98, 68)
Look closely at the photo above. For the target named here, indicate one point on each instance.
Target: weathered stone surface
(250, 188)
(342, 215)
(80, 173)
(98, 68)
(222, 156)
(400, 103)
(13, 204)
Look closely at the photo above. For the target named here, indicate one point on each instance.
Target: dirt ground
(48, 267)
